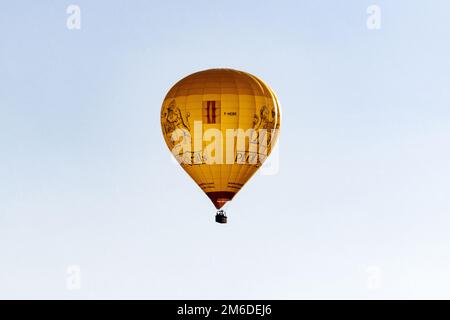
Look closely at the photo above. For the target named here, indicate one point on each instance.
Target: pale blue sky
(86, 179)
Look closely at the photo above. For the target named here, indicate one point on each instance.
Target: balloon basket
(221, 217)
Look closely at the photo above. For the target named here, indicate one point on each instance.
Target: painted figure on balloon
(263, 126)
(172, 119)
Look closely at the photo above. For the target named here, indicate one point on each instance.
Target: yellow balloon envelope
(220, 124)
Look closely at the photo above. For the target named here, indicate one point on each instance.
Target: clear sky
(360, 205)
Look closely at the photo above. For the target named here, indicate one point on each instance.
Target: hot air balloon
(220, 124)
